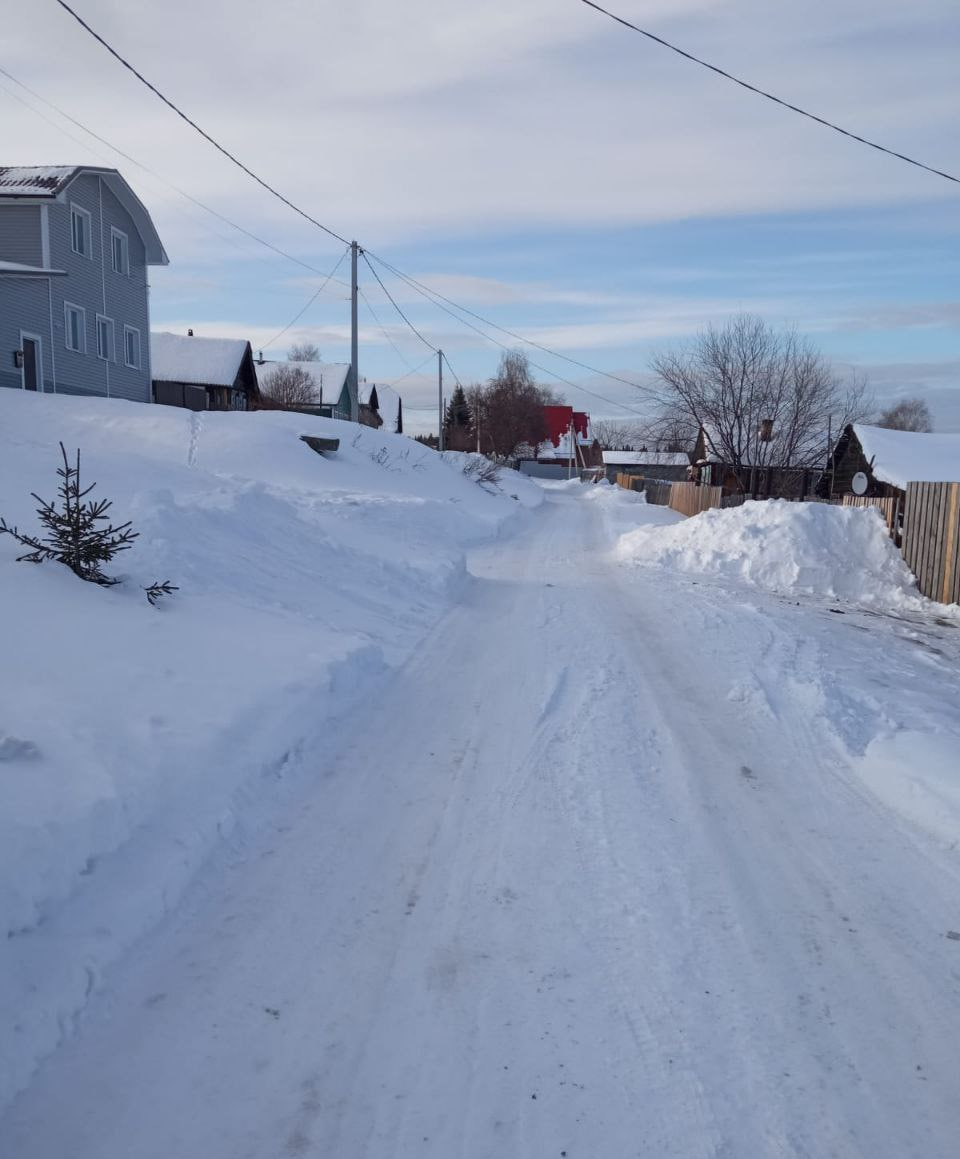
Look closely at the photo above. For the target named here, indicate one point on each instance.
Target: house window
(119, 247)
(75, 325)
(131, 347)
(105, 338)
(80, 231)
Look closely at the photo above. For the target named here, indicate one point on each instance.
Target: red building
(557, 448)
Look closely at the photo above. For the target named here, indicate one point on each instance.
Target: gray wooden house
(203, 373)
(75, 246)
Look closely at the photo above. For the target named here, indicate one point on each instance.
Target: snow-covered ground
(132, 739)
(622, 860)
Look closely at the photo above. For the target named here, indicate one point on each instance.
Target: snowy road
(590, 878)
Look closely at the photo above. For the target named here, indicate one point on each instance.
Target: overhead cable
(769, 96)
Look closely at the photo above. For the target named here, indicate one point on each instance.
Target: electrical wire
(769, 96)
(426, 292)
(415, 370)
(382, 328)
(435, 294)
(394, 304)
(323, 286)
(146, 169)
(193, 125)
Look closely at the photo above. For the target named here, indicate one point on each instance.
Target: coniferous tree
(74, 535)
(458, 422)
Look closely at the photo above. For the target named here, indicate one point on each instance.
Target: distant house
(381, 406)
(334, 382)
(75, 246)
(887, 461)
(203, 373)
(562, 449)
(670, 466)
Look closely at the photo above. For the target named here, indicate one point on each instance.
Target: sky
(535, 163)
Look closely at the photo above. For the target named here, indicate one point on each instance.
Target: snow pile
(810, 548)
(133, 738)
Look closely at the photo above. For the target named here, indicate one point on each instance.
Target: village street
(592, 876)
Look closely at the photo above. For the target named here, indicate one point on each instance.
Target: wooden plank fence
(630, 482)
(931, 539)
(889, 508)
(691, 499)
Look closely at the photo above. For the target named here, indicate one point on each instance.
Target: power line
(193, 124)
(297, 317)
(452, 371)
(426, 292)
(382, 328)
(394, 304)
(769, 96)
(395, 381)
(146, 169)
(435, 294)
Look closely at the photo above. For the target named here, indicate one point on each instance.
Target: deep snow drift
(133, 738)
(805, 548)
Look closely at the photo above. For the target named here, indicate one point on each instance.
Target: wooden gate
(931, 539)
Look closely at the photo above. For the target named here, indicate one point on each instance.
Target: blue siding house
(75, 244)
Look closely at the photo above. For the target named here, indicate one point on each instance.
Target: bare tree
(288, 388)
(763, 397)
(304, 352)
(614, 435)
(509, 410)
(909, 414)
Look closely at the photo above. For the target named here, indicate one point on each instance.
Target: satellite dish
(859, 483)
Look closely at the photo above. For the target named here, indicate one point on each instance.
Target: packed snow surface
(809, 548)
(902, 457)
(617, 862)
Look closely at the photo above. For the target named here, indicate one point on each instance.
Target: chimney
(189, 333)
(766, 430)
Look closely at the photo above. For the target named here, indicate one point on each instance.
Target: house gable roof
(902, 457)
(330, 377)
(197, 361)
(50, 183)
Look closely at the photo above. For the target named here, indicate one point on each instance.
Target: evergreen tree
(74, 536)
(458, 422)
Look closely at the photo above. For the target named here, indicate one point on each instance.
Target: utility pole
(570, 452)
(440, 397)
(354, 338)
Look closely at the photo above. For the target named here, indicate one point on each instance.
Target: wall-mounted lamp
(18, 359)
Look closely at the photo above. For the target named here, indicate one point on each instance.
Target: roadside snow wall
(134, 740)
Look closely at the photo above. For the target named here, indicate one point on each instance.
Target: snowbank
(131, 738)
(810, 548)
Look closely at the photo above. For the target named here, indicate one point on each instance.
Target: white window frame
(67, 307)
(127, 331)
(23, 369)
(111, 355)
(114, 235)
(87, 218)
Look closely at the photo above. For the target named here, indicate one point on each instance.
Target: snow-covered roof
(35, 180)
(48, 182)
(18, 268)
(204, 361)
(646, 458)
(329, 376)
(388, 400)
(902, 457)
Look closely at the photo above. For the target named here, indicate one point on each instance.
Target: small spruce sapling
(73, 533)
